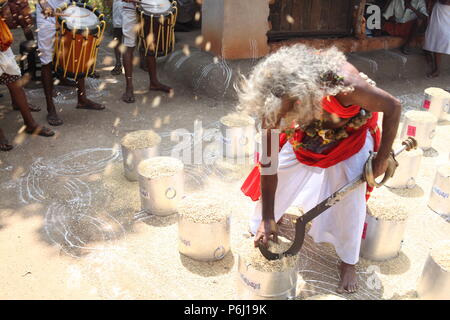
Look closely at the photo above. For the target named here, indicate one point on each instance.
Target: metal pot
(256, 285)
(382, 240)
(204, 241)
(437, 105)
(161, 196)
(239, 142)
(434, 284)
(422, 131)
(406, 173)
(132, 158)
(439, 200)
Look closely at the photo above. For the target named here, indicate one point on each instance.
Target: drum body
(157, 20)
(80, 31)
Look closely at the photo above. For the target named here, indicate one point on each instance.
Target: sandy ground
(71, 225)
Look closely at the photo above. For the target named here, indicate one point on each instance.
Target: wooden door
(311, 18)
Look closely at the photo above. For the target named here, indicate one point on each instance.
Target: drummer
(46, 31)
(129, 30)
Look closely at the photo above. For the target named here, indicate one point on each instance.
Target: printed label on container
(426, 104)
(441, 193)
(251, 284)
(145, 194)
(364, 231)
(411, 131)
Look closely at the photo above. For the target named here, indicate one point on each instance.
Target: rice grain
(141, 139)
(234, 120)
(204, 208)
(441, 254)
(159, 167)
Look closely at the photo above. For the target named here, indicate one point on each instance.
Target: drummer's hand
(379, 166)
(48, 12)
(267, 229)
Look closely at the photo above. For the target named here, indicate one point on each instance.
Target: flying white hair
(298, 72)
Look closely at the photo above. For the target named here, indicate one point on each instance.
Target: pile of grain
(159, 167)
(387, 209)
(237, 120)
(204, 208)
(421, 116)
(325, 297)
(141, 139)
(444, 170)
(253, 256)
(441, 254)
(437, 92)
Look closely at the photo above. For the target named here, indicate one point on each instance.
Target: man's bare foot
(54, 120)
(117, 70)
(39, 131)
(128, 96)
(4, 144)
(433, 74)
(349, 278)
(156, 86)
(89, 105)
(32, 107)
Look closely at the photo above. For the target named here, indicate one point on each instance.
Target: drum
(16, 13)
(157, 20)
(80, 31)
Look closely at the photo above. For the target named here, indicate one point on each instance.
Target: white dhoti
(437, 37)
(129, 25)
(8, 64)
(117, 13)
(303, 186)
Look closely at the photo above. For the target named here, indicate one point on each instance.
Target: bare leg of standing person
(83, 101)
(47, 81)
(118, 66)
(128, 96)
(152, 71)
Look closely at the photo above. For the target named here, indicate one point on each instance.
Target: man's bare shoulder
(352, 76)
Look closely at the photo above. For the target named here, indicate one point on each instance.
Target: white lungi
(46, 30)
(303, 186)
(437, 37)
(117, 13)
(129, 24)
(8, 63)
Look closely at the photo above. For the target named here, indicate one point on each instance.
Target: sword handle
(408, 145)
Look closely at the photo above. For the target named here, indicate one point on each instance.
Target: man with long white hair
(327, 114)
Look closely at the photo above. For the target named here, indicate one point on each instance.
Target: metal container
(204, 241)
(381, 240)
(434, 284)
(256, 285)
(132, 158)
(239, 142)
(406, 173)
(439, 200)
(422, 131)
(437, 104)
(161, 196)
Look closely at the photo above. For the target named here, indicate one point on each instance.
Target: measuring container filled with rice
(137, 146)
(261, 279)
(238, 132)
(434, 283)
(204, 227)
(437, 101)
(161, 185)
(439, 200)
(383, 230)
(420, 125)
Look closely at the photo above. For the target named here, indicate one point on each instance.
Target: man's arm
(269, 177)
(376, 100)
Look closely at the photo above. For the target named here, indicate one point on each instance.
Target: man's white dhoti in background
(304, 186)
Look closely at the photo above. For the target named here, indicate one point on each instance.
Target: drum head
(80, 18)
(155, 6)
